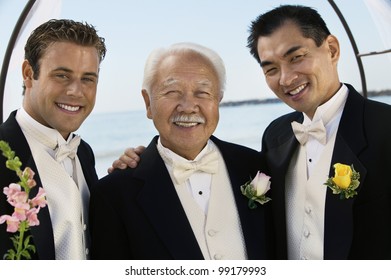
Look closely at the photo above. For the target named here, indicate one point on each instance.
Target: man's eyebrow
(205, 82)
(62, 69)
(70, 71)
(291, 50)
(265, 63)
(91, 74)
(169, 82)
(288, 52)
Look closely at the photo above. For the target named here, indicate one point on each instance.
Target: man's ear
(27, 72)
(334, 48)
(147, 102)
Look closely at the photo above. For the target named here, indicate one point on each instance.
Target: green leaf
(26, 254)
(10, 255)
(26, 240)
(15, 240)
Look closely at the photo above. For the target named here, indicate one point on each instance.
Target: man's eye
(270, 71)
(61, 76)
(296, 57)
(203, 93)
(89, 79)
(171, 92)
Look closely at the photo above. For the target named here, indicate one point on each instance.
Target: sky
(133, 28)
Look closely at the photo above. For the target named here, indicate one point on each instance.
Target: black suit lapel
(42, 234)
(349, 143)
(87, 162)
(163, 208)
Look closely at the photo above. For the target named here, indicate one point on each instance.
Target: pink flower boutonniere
(26, 210)
(256, 190)
(345, 181)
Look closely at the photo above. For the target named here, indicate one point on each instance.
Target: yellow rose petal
(342, 181)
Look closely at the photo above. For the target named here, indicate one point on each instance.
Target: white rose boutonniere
(256, 190)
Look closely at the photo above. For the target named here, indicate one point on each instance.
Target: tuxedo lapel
(87, 162)
(163, 208)
(349, 143)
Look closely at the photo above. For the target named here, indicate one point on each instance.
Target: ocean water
(110, 133)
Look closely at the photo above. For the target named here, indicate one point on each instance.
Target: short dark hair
(307, 19)
(61, 30)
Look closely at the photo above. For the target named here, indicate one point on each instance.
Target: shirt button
(308, 210)
(212, 232)
(87, 251)
(218, 257)
(306, 233)
(84, 227)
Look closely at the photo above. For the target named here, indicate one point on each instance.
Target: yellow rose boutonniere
(345, 181)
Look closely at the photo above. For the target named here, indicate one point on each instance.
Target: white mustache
(188, 119)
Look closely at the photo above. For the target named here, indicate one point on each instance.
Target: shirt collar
(39, 131)
(175, 157)
(326, 111)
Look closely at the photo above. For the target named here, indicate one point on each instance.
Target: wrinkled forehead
(172, 81)
(188, 57)
(175, 67)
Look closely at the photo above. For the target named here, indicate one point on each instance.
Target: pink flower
(39, 199)
(20, 211)
(256, 190)
(29, 173)
(11, 189)
(261, 183)
(32, 217)
(26, 210)
(12, 223)
(14, 194)
(20, 197)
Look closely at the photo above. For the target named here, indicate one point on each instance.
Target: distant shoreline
(386, 92)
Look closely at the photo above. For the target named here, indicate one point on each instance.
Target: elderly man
(184, 199)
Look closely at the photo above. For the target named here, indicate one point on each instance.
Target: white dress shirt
(216, 227)
(330, 113)
(199, 183)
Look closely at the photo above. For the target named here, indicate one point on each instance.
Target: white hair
(157, 56)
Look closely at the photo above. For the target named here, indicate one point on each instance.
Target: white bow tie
(183, 170)
(316, 129)
(67, 149)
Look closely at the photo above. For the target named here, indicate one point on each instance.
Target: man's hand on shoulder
(130, 157)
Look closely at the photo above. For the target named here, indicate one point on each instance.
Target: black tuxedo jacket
(136, 213)
(43, 234)
(355, 228)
